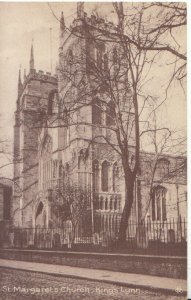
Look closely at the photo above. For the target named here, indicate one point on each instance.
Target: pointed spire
(20, 86)
(25, 74)
(62, 23)
(80, 10)
(19, 78)
(32, 58)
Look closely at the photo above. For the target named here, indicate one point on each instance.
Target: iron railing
(151, 237)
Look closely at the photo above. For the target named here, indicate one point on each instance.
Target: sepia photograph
(93, 150)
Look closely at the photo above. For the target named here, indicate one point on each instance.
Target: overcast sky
(20, 23)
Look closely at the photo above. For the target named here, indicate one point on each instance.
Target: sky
(22, 23)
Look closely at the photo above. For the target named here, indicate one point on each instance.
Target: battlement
(38, 75)
(96, 22)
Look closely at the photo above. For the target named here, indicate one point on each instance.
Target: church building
(63, 166)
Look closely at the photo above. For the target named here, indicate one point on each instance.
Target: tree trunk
(129, 197)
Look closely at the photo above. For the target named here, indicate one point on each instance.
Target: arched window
(38, 216)
(101, 203)
(82, 157)
(106, 204)
(111, 203)
(45, 171)
(110, 113)
(64, 131)
(54, 169)
(99, 59)
(44, 219)
(39, 209)
(96, 203)
(115, 176)
(105, 62)
(162, 169)
(115, 55)
(7, 191)
(95, 176)
(100, 56)
(105, 176)
(66, 175)
(70, 56)
(52, 102)
(115, 203)
(67, 167)
(50, 106)
(159, 203)
(96, 111)
(60, 169)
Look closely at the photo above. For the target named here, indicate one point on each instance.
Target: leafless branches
(107, 69)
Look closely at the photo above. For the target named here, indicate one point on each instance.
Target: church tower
(32, 102)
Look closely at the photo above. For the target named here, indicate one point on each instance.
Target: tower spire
(62, 23)
(25, 74)
(32, 58)
(80, 10)
(20, 86)
(62, 28)
(19, 78)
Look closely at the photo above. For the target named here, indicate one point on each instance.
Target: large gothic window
(82, 157)
(162, 167)
(46, 163)
(99, 59)
(52, 102)
(105, 176)
(96, 111)
(159, 203)
(66, 174)
(115, 56)
(95, 176)
(7, 192)
(100, 56)
(105, 62)
(70, 56)
(110, 113)
(40, 217)
(90, 57)
(115, 177)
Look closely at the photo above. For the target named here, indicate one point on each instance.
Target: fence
(152, 237)
(155, 237)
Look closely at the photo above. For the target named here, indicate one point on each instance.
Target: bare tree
(163, 142)
(5, 153)
(108, 72)
(71, 203)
